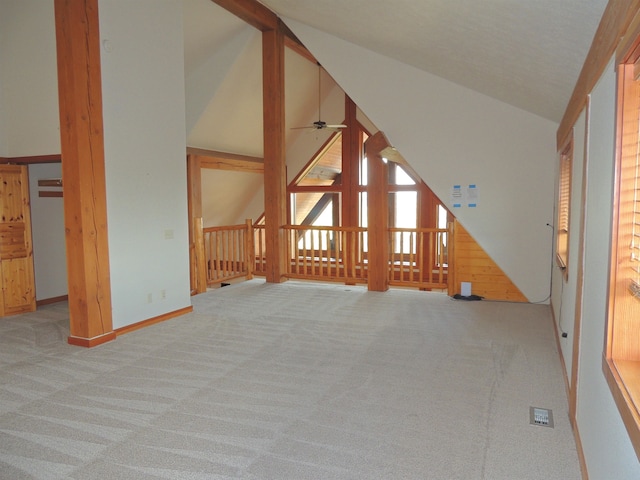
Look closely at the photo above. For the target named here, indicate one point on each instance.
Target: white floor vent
(541, 416)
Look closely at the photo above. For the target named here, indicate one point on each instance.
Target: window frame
(621, 359)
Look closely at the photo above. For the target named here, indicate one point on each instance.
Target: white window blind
(635, 216)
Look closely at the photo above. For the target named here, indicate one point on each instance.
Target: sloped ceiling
(223, 80)
(527, 53)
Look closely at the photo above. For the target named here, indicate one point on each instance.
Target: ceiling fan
(319, 124)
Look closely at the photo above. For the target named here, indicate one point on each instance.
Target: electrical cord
(551, 269)
(564, 334)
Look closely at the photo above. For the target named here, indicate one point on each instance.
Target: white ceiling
(527, 53)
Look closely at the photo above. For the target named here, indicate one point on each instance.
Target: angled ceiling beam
(252, 12)
(260, 17)
(299, 48)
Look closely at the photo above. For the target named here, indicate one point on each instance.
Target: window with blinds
(632, 170)
(622, 348)
(629, 185)
(564, 203)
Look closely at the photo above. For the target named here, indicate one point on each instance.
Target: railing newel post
(249, 249)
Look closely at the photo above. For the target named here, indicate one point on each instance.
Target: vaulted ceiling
(527, 53)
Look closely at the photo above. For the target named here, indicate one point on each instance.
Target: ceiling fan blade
(320, 126)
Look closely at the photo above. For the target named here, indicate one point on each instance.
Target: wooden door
(16, 250)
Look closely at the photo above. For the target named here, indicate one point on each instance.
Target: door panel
(16, 249)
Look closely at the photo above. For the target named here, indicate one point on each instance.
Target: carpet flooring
(290, 381)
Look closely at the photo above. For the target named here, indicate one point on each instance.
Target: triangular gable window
(325, 170)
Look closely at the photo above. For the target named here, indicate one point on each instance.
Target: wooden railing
(419, 257)
(229, 252)
(327, 253)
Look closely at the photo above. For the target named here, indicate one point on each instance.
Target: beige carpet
(290, 381)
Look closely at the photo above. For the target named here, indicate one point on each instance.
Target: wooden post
(250, 249)
(275, 189)
(378, 213)
(200, 256)
(451, 261)
(197, 262)
(83, 172)
(351, 153)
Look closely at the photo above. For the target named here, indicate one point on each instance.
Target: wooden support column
(197, 261)
(350, 165)
(378, 213)
(275, 175)
(82, 144)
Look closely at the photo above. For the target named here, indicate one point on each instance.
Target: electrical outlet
(149, 297)
(163, 294)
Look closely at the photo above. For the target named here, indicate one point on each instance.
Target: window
(622, 348)
(320, 202)
(564, 204)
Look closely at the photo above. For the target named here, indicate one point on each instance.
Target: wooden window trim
(563, 219)
(621, 362)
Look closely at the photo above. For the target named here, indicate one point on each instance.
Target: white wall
(203, 82)
(29, 126)
(227, 194)
(28, 79)
(4, 43)
(564, 292)
(47, 222)
(238, 94)
(144, 132)
(452, 135)
(607, 448)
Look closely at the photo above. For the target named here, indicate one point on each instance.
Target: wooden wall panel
(472, 264)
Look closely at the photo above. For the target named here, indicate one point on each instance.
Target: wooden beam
(300, 49)
(232, 165)
(351, 149)
(227, 161)
(615, 21)
(197, 260)
(53, 158)
(83, 171)
(252, 12)
(260, 17)
(378, 213)
(275, 175)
